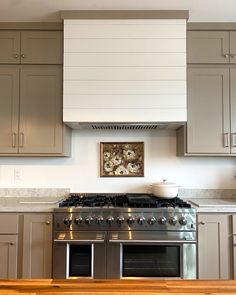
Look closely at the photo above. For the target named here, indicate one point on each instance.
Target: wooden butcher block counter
(116, 287)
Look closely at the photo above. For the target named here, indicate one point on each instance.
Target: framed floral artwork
(121, 159)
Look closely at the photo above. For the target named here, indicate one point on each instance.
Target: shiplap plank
(124, 87)
(129, 31)
(124, 101)
(124, 59)
(127, 45)
(125, 115)
(124, 22)
(125, 73)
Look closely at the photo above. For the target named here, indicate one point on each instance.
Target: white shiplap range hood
(124, 73)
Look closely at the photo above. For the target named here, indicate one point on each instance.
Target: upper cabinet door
(9, 107)
(208, 130)
(40, 127)
(233, 47)
(207, 47)
(41, 47)
(233, 108)
(9, 47)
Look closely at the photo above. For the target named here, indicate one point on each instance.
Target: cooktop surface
(141, 200)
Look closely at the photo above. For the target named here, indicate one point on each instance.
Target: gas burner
(134, 200)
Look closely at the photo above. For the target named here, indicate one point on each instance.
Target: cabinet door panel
(208, 110)
(41, 47)
(207, 47)
(41, 110)
(9, 106)
(37, 246)
(214, 254)
(8, 256)
(233, 109)
(9, 47)
(233, 47)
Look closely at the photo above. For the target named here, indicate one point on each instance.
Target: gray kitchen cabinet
(8, 245)
(31, 111)
(31, 47)
(37, 246)
(214, 246)
(208, 125)
(211, 47)
(234, 245)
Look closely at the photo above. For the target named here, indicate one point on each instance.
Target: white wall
(80, 172)
(48, 10)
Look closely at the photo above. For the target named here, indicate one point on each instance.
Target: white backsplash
(80, 172)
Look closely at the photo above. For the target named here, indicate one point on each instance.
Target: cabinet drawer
(234, 225)
(8, 223)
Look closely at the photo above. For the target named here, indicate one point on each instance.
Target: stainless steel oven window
(150, 261)
(68, 261)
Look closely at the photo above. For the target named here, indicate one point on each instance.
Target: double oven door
(124, 255)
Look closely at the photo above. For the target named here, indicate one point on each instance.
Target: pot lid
(165, 183)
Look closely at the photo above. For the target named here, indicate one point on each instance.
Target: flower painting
(122, 159)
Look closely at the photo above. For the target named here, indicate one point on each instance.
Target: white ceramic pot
(165, 190)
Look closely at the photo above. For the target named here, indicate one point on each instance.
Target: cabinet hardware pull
(232, 55)
(13, 139)
(22, 55)
(22, 139)
(233, 139)
(225, 55)
(202, 222)
(226, 140)
(12, 243)
(47, 222)
(16, 55)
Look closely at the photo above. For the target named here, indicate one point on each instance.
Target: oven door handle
(155, 241)
(76, 241)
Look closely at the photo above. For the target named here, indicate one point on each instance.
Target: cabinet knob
(22, 55)
(232, 55)
(225, 55)
(48, 222)
(16, 55)
(12, 243)
(202, 222)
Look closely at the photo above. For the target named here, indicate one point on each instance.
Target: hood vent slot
(126, 127)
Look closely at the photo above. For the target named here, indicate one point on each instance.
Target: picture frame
(121, 159)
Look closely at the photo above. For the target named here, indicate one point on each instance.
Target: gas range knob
(120, 220)
(151, 220)
(173, 220)
(141, 220)
(99, 220)
(67, 221)
(110, 219)
(162, 220)
(78, 220)
(88, 220)
(183, 220)
(131, 220)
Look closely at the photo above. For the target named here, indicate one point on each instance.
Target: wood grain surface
(115, 287)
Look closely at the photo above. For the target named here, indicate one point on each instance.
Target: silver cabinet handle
(78, 241)
(226, 139)
(232, 55)
(22, 55)
(233, 139)
(47, 222)
(12, 243)
(22, 139)
(154, 241)
(202, 222)
(16, 55)
(14, 139)
(225, 55)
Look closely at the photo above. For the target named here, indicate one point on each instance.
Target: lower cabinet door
(214, 247)
(37, 246)
(8, 256)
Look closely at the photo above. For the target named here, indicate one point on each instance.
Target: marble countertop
(211, 205)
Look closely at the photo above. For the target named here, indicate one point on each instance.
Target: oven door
(79, 255)
(152, 255)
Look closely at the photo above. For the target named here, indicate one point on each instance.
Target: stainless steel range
(124, 236)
